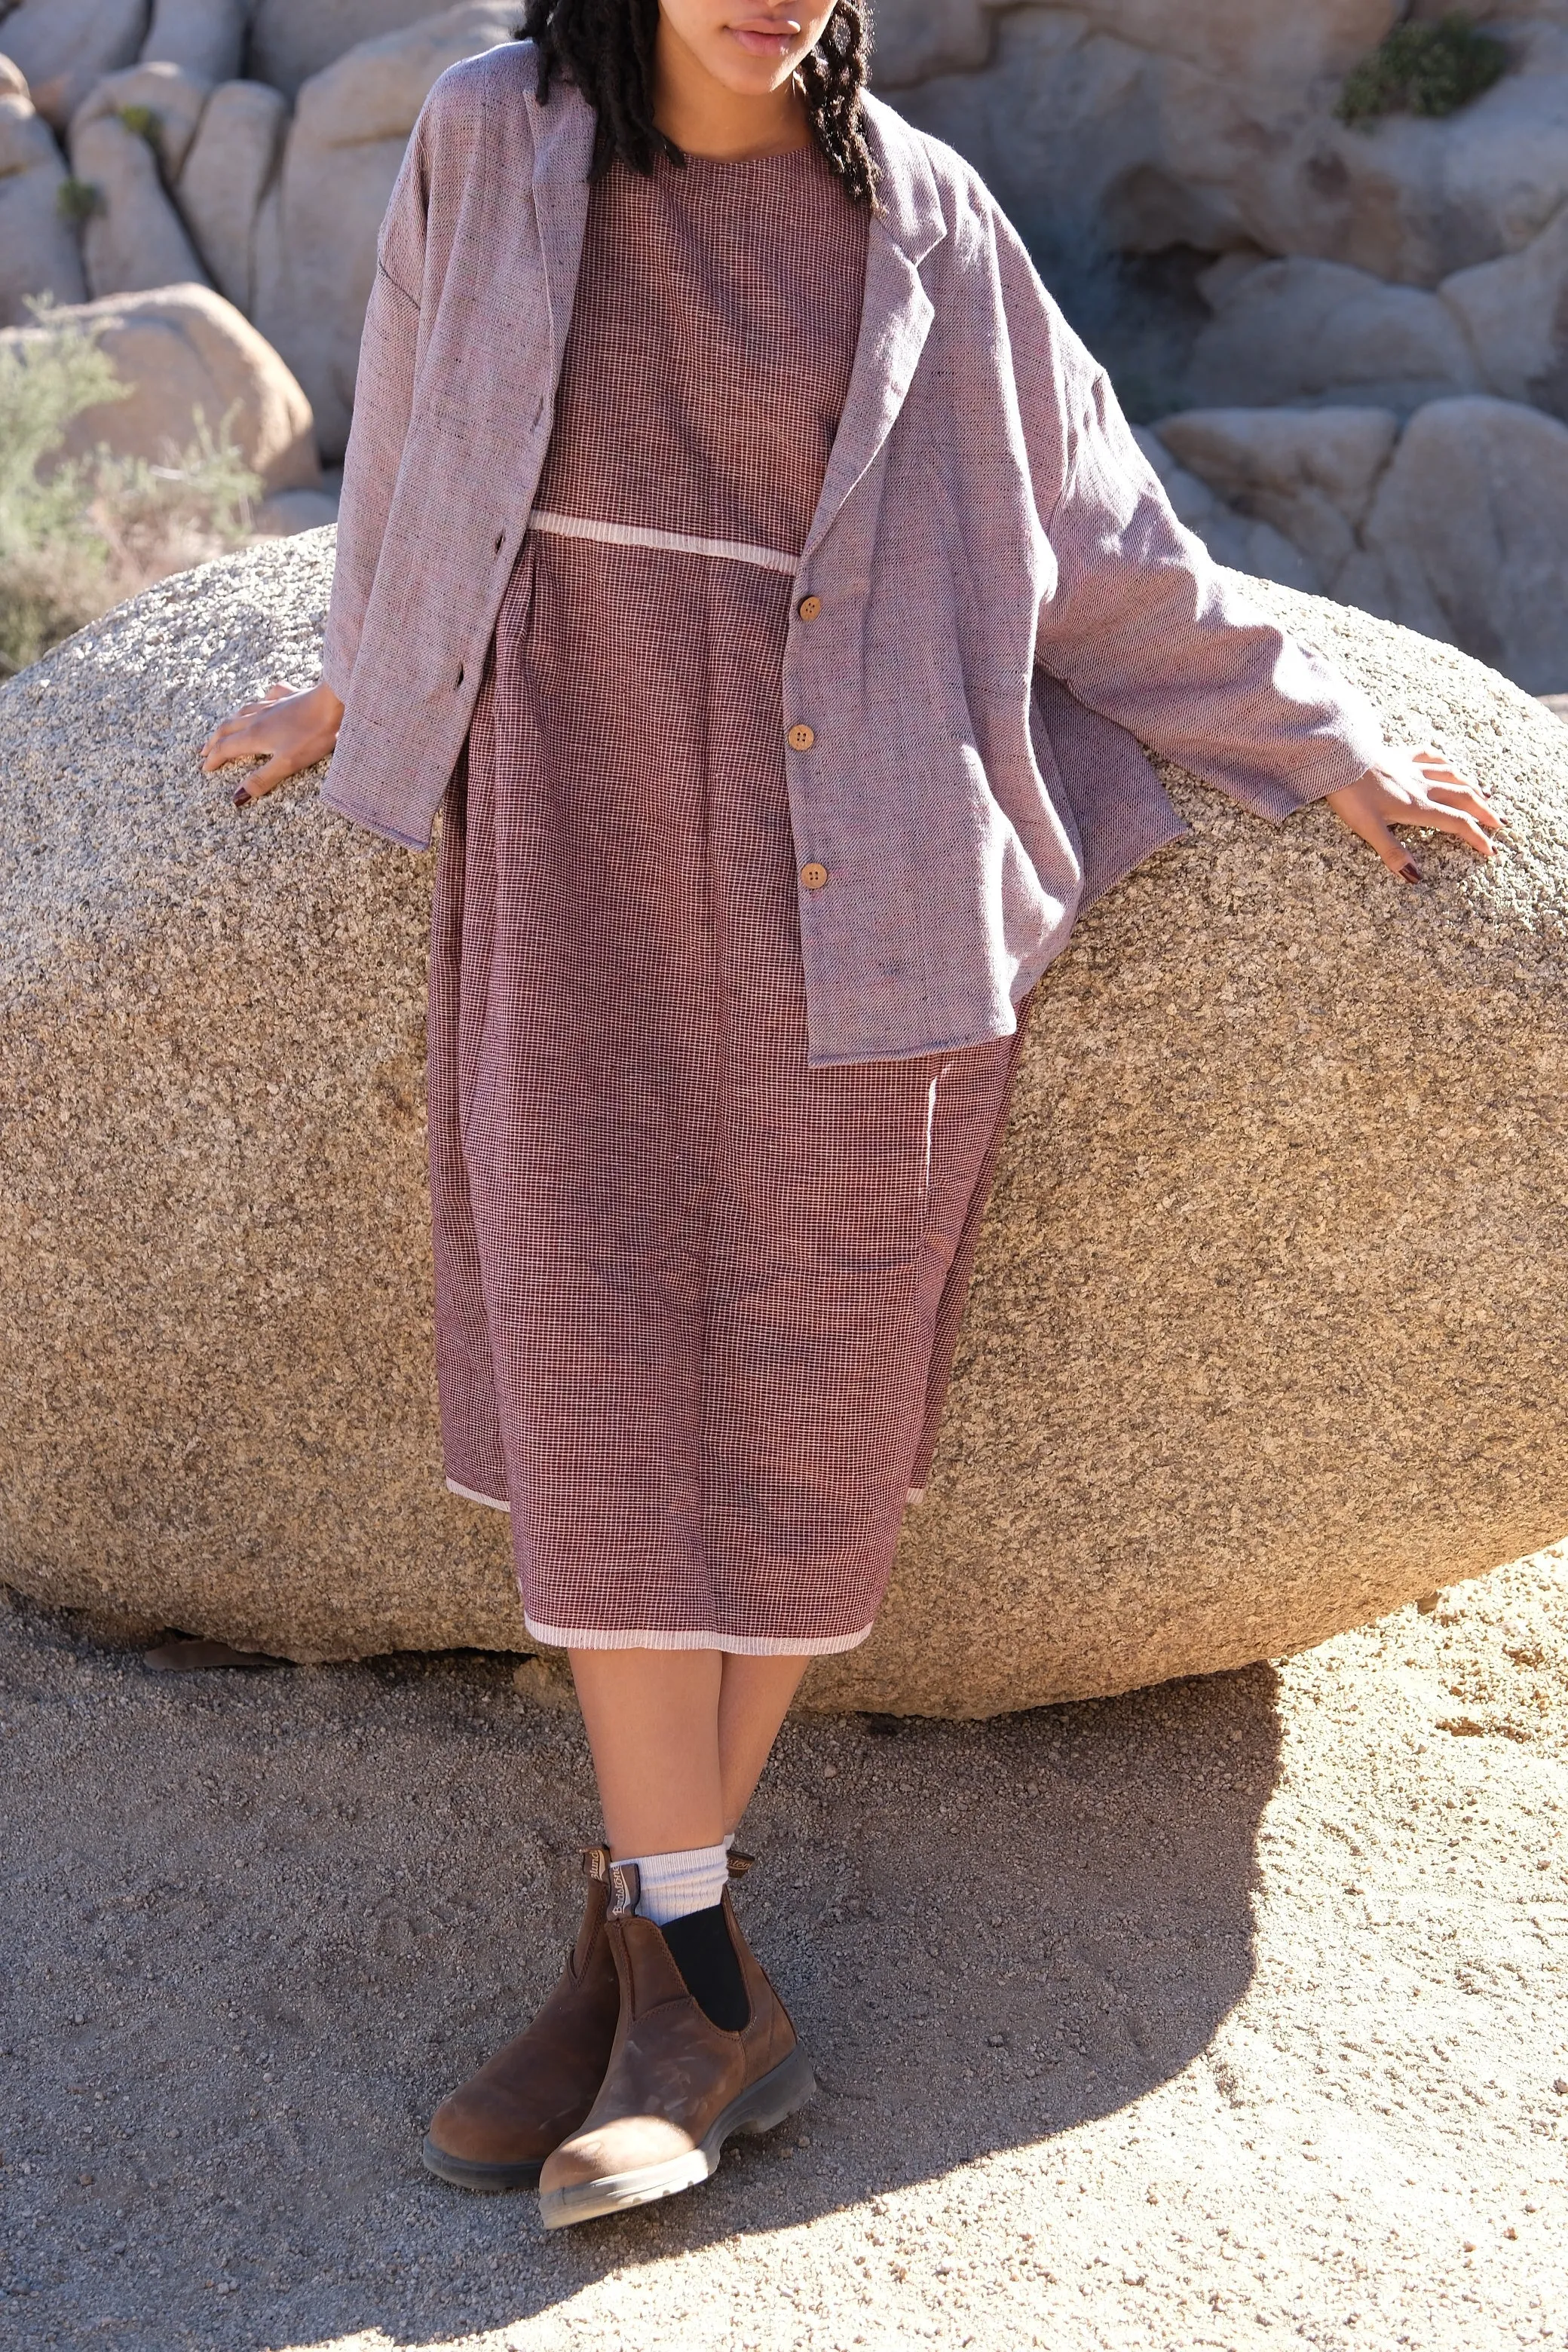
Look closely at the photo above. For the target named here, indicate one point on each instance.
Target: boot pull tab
(595, 1860)
(740, 1863)
(626, 1889)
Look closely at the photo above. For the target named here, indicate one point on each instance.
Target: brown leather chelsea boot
(676, 2087)
(497, 2131)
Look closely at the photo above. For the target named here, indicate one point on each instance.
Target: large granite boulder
(187, 357)
(207, 37)
(167, 99)
(1416, 199)
(1276, 43)
(292, 40)
(63, 45)
(1297, 331)
(1515, 312)
(1457, 526)
(1310, 473)
(1466, 535)
(134, 240)
(1267, 1331)
(231, 165)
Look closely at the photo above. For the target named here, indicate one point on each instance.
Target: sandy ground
(1231, 2013)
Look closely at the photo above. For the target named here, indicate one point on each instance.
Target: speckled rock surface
(1267, 1327)
(217, 1393)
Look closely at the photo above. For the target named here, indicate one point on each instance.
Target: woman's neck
(704, 118)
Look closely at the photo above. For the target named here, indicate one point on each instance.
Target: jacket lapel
(897, 312)
(562, 152)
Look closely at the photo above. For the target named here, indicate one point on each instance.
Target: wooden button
(802, 738)
(812, 878)
(809, 607)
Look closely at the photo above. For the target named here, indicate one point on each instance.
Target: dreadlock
(605, 49)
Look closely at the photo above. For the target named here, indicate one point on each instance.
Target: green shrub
(77, 201)
(76, 535)
(143, 122)
(1430, 69)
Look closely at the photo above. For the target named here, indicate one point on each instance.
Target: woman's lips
(765, 40)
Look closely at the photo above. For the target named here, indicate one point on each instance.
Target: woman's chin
(751, 66)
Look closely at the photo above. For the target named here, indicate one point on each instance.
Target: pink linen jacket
(1007, 598)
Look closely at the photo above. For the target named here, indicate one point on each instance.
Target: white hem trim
(673, 543)
(734, 1645)
(490, 1502)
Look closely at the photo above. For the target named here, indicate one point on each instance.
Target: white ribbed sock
(674, 1884)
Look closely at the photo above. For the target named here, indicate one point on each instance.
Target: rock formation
(314, 239)
(134, 239)
(1467, 534)
(231, 163)
(38, 249)
(186, 355)
(1515, 312)
(1149, 124)
(204, 38)
(63, 46)
(1267, 1331)
(1456, 526)
(1296, 331)
(291, 41)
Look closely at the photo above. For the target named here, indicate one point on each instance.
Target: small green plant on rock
(77, 534)
(77, 201)
(143, 122)
(1431, 69)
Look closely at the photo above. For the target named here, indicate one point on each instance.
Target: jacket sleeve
(1141, 625)
(383, 396)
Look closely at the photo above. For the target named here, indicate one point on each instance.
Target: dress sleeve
(383, 395)
(1141, 625)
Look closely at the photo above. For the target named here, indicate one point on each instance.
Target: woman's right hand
(288, 730)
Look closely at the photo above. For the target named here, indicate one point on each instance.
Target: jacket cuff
(337, 671)
(1341, 763)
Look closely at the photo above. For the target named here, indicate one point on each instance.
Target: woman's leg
(754, 1699)
(680, 1739)
(653, 1726)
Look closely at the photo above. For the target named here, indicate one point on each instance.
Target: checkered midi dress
(696, 1302)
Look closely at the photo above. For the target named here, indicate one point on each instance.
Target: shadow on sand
(274, 1917)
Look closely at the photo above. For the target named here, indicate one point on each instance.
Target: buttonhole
(500, 540)
(460, 673)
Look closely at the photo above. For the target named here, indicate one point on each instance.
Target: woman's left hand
(1417, 788)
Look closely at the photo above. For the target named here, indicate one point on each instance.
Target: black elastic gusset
(708, 1961)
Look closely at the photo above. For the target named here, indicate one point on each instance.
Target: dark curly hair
(605, 49)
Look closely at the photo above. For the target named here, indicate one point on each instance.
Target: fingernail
(242, 798)
(1409, 873)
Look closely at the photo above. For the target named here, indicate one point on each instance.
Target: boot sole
(788, 2086)
(488, 2179)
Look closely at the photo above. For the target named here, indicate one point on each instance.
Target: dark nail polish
(1410, 874)
(242, 798)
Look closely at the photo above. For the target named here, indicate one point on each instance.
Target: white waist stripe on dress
(673, 542)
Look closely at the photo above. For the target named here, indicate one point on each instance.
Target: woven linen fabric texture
(987, 513)
(688, 1288)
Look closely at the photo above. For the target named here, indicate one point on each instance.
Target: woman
(737, 541)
